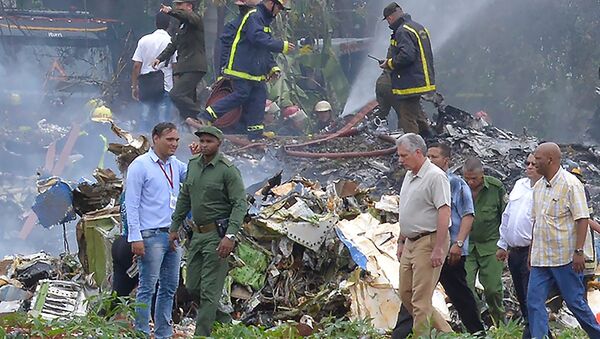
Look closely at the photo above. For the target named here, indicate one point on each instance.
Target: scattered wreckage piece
(95, 233)
(58, 299)
(90, 197)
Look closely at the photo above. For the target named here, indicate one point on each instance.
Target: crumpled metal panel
(58, 299)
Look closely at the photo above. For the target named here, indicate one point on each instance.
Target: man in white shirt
(515, 235)
(157, 107)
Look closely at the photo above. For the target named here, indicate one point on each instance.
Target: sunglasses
(527, 163)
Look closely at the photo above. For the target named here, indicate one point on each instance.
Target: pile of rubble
(320, 236)
(45, 286)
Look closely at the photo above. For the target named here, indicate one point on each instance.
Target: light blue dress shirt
(148, 192)
(462, 204)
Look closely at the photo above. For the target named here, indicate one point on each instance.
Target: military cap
(182, 1)
(390, 9)
(212, 130)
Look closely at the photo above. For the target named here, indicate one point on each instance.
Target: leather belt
(417, 237)
(519, 249)
(204, 228)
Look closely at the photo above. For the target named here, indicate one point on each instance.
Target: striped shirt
(557, 204)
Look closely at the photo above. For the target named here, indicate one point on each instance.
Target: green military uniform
(211, 191)
(489, 206)
(191, 61)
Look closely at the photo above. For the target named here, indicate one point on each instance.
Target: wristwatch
(230, 237)
(459, 243)
(579, 251)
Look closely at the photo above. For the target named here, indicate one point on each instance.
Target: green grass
(100, 322)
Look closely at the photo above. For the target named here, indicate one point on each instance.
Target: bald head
(547, 159)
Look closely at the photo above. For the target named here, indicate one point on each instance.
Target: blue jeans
(156, 111)
(571, 288)
(159, 264)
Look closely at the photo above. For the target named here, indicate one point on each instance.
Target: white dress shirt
(516, 226)
(148, 49)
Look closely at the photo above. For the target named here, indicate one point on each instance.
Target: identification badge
(173, 201)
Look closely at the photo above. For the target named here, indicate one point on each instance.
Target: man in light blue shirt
(152, 187)
(453, 275)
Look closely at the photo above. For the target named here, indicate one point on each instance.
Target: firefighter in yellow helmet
(325, 121)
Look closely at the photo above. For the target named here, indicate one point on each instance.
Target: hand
(274, 76)
(194, 148)
(383, 64)
(165, 9)
(291, 47)
(578, 263)
(225, 247)
(454, 254)
(437, 257)
(399, 250)
(155, 63)
(135, 95)
(174, 240)
(137, 247)
(501, 254)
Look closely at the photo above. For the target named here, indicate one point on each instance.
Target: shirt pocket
(213, 191)
(557, 208)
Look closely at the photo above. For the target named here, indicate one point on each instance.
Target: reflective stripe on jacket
(250, 55)
(411, 59)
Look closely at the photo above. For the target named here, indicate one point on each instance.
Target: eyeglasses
(527, 163)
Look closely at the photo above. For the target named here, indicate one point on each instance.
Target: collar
(155, 157)
(486, 183)
(213, 162)
(554, 179)
(424, 168)
(400, 21)
(161, 32)
(265, 12)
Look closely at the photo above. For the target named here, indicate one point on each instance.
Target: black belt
(417, 237)
(163, 229)
(519, 249)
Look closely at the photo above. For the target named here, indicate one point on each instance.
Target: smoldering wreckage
(319, 238)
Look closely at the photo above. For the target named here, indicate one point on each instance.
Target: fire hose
(347, 130)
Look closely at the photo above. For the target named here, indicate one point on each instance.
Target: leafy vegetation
(108, 317)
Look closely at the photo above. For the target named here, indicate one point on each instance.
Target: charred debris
(319, 238)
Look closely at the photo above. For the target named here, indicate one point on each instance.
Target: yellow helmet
(323, 106)
(284, 4)
(102, 114)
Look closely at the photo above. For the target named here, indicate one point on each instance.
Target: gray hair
(412, 142)
(473, 165)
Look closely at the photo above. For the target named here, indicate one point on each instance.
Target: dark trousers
(251, 95)
(183, 93)
(122, 258)
(411, 117)
(518, 265)
(454, 280)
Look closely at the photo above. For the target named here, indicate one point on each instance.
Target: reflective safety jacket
(410, 59)
(249, 56)
(229, 32)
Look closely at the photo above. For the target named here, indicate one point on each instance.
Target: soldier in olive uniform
(191, 57)
(214, 193)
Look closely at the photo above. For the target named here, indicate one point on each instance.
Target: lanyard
(170, 180)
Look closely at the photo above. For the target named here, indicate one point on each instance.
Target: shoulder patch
(226, 161)
(494, 181)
